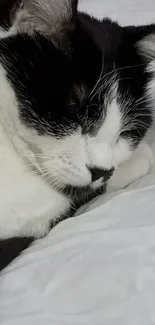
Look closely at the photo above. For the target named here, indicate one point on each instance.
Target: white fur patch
(107, 149)
(5, 33)
(147, 47)
(27, 202)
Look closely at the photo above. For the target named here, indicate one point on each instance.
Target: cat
(76, 101)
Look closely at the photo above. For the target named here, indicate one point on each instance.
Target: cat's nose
(97, 173)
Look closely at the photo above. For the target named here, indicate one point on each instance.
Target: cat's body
(76, 101)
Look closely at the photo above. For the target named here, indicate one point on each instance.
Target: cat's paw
(136, 167)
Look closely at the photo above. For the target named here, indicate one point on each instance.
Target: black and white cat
(76, 100)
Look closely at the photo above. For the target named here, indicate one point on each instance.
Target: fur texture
(75, 105)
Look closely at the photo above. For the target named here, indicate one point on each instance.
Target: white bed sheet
(100, 266)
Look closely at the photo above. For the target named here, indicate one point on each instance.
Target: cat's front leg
(136, 167)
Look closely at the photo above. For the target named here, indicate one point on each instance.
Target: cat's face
(71, 111)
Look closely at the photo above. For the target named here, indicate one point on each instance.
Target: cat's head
(69, 108)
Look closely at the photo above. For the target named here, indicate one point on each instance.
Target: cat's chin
(82, 195)
(74, 191)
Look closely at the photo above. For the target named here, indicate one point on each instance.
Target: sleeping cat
(76, 101)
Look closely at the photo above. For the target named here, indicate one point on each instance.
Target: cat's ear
(52, 18)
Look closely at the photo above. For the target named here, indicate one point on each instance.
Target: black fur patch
(11, 248)
(6, 7)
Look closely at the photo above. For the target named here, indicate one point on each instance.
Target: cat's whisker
(114, 75)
